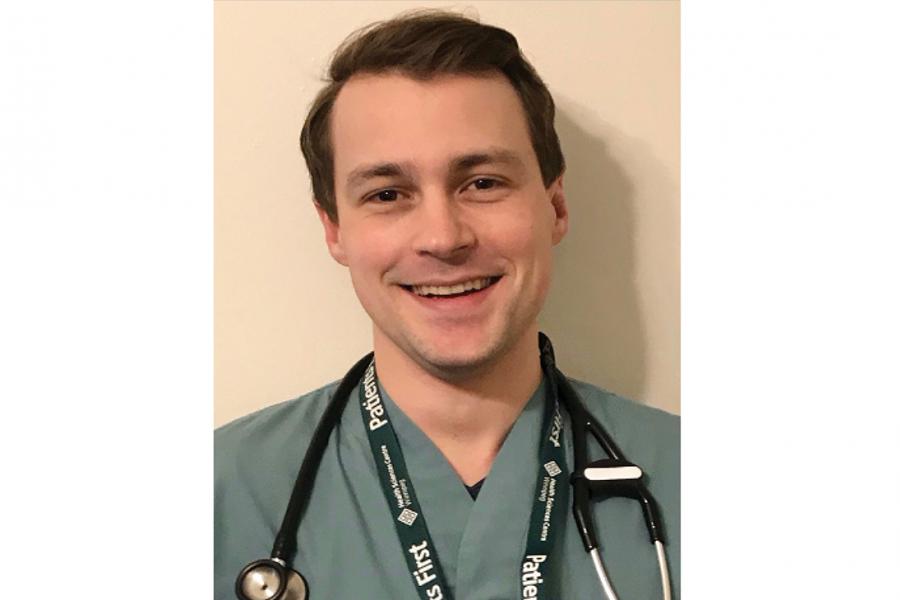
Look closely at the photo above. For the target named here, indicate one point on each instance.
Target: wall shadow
(592, 308)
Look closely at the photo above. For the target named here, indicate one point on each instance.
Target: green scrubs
(347, 543)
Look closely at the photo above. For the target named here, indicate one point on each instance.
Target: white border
(106, 308)
(790, 220)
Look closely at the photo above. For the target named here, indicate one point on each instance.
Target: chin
(454, 361)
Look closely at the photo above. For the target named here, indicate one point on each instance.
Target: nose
(442, 228)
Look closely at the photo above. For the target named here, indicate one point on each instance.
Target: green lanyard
(419, 550)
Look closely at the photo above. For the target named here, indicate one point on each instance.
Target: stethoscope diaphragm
(269, 579)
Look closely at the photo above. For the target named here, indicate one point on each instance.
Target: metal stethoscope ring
(270, 579)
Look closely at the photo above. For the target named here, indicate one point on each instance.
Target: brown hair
(423, 44)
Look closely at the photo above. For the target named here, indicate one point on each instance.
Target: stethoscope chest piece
(268, 579)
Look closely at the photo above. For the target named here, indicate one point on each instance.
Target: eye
(483, 183)
(385, 196)
(485, 188)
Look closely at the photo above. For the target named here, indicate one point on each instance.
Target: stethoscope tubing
(583, 421)
(286, 541)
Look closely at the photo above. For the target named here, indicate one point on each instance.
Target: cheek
(371, 252)
(526, 237)
(530, 246)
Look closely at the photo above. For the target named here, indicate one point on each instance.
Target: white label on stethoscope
(612, 473)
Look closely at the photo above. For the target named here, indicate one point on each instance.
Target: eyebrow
(463, 162)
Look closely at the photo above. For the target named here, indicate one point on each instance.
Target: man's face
(444, 221)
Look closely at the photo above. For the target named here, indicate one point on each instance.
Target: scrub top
(347, 545)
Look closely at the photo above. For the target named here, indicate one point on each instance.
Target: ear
(332, 236)
(560, 210)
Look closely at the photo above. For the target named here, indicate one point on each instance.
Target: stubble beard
(456, 369)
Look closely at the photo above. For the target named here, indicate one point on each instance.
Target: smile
(458, 289)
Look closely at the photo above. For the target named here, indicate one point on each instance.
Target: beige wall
(286, 318)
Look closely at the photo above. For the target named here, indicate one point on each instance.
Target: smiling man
(438, 178)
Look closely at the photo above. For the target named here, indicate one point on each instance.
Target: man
(437, 175)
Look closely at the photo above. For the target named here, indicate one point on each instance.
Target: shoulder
(256, 459)
(267, 432)
(645, 434)
(650, 438)
(624, 412)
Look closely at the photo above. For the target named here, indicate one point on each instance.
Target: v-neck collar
(460, 528)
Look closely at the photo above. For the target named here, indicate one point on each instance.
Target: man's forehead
(392, 117)
(393, 81)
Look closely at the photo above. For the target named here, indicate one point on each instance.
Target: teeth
(449, 290)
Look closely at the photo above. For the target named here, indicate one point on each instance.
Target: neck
(466, 416)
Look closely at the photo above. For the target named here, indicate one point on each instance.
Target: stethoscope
(272, 579)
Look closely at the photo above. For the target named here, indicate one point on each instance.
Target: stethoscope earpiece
(269, 579)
